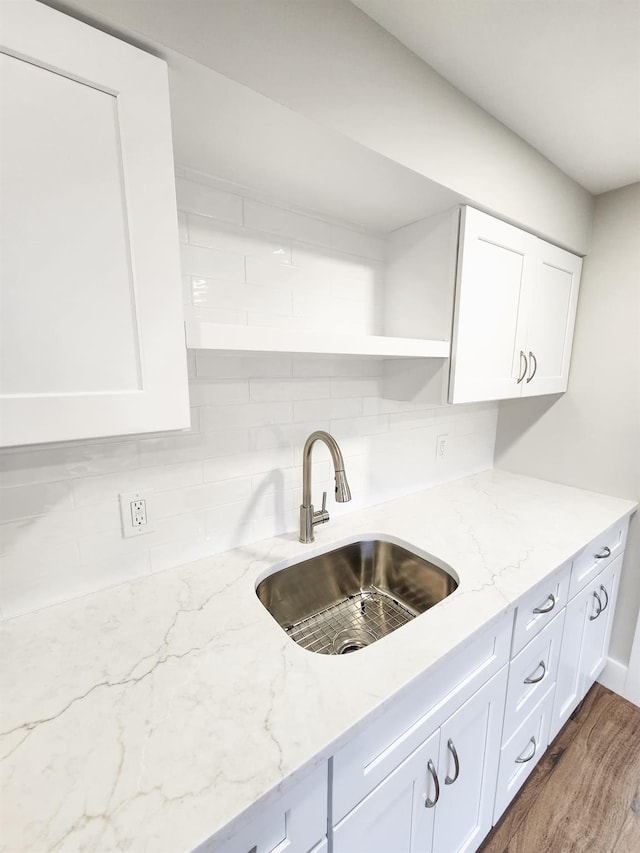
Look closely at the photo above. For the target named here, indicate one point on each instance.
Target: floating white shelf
(215, 336)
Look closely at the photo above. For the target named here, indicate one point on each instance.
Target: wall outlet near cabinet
(441, 447)
(133, 514)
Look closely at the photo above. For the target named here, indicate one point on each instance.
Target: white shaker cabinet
(399, 814)
(585, 641)
(441, 797)
(91, 327)
(515, 307)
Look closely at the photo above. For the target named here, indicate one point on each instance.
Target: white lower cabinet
(295, 822)
(396, 816)
(521, 753)
(585, 641)
(441, 797)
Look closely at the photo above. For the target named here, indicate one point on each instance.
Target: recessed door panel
(66, 284)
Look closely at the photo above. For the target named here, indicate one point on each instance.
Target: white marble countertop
(147, 716)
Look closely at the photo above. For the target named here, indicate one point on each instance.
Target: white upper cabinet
(91, 332)
(516, 299)
(551, 314)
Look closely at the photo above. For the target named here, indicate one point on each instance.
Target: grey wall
(590, 436)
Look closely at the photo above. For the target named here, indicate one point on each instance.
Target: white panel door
(468, 766)
(91, 332)
(598, 630)
(494, 266)
(397, 816)
(551, 303)
(568, 682)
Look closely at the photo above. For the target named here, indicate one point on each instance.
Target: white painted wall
(330, 62)
(236, 476)
(590, 436)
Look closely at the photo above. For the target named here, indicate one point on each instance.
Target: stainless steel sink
(346, 599)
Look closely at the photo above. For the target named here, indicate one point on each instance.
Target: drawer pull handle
(531, 680)
(606, 552)
(546, 608)
(429, 804)
(606, 595)
(524, 366)
(535, 366)
(528, 757)
(456, 763)
(600, 608)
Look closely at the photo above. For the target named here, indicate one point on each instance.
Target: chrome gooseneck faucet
(309, 518)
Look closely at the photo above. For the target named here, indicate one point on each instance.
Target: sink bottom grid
(351, 624)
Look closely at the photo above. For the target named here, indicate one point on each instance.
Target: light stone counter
(147, 716)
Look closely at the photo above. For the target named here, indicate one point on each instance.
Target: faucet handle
(321, 516)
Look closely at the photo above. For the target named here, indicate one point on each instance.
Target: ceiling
(562, 74)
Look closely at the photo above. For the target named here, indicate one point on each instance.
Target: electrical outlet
(441, 447)
(134, 514)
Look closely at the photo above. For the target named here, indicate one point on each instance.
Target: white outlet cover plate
(126, 499)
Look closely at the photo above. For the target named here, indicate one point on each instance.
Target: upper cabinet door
(91, 332)
(552, 301)
(516, 300)
(495, 261)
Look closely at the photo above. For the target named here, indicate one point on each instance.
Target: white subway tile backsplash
(210, 263)
(38, 499)
(214, 294)
(248, 415)
(236, 475)
(196, 197)
(363, 243)
(204, 392)
(93, 490)
(277, 220)
(159, 450)
(203, 231)
(328, 409)
(283, 435)
(261, 390)
(207, 495)
(213, 365)
(242, 464)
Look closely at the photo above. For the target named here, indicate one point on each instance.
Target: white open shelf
(216, 336)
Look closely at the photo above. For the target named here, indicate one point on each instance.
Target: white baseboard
(614, 676)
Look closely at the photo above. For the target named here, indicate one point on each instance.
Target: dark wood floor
(584, 795)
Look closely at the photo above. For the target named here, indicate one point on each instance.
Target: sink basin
(346, 599)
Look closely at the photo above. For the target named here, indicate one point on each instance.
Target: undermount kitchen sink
(346, 599)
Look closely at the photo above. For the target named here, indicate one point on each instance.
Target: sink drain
(353, 640)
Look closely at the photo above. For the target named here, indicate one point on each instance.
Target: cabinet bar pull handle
(523, 364)
(531, 680)
(528, 757)
(606, 595)
(535, 366)
(600, 608)
(546, 608)
(429, 804)
(456, 762)
(606, 552)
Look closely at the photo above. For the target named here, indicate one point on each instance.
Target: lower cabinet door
(585, 642)
(469, 758)
(598, 628)
(398, 815)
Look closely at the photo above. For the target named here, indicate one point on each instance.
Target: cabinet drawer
(539, 607)
(295, 821)
(531, 673)
(400, 726)
(597, 554)
(522, 752)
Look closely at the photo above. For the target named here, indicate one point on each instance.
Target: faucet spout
(309, 518)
